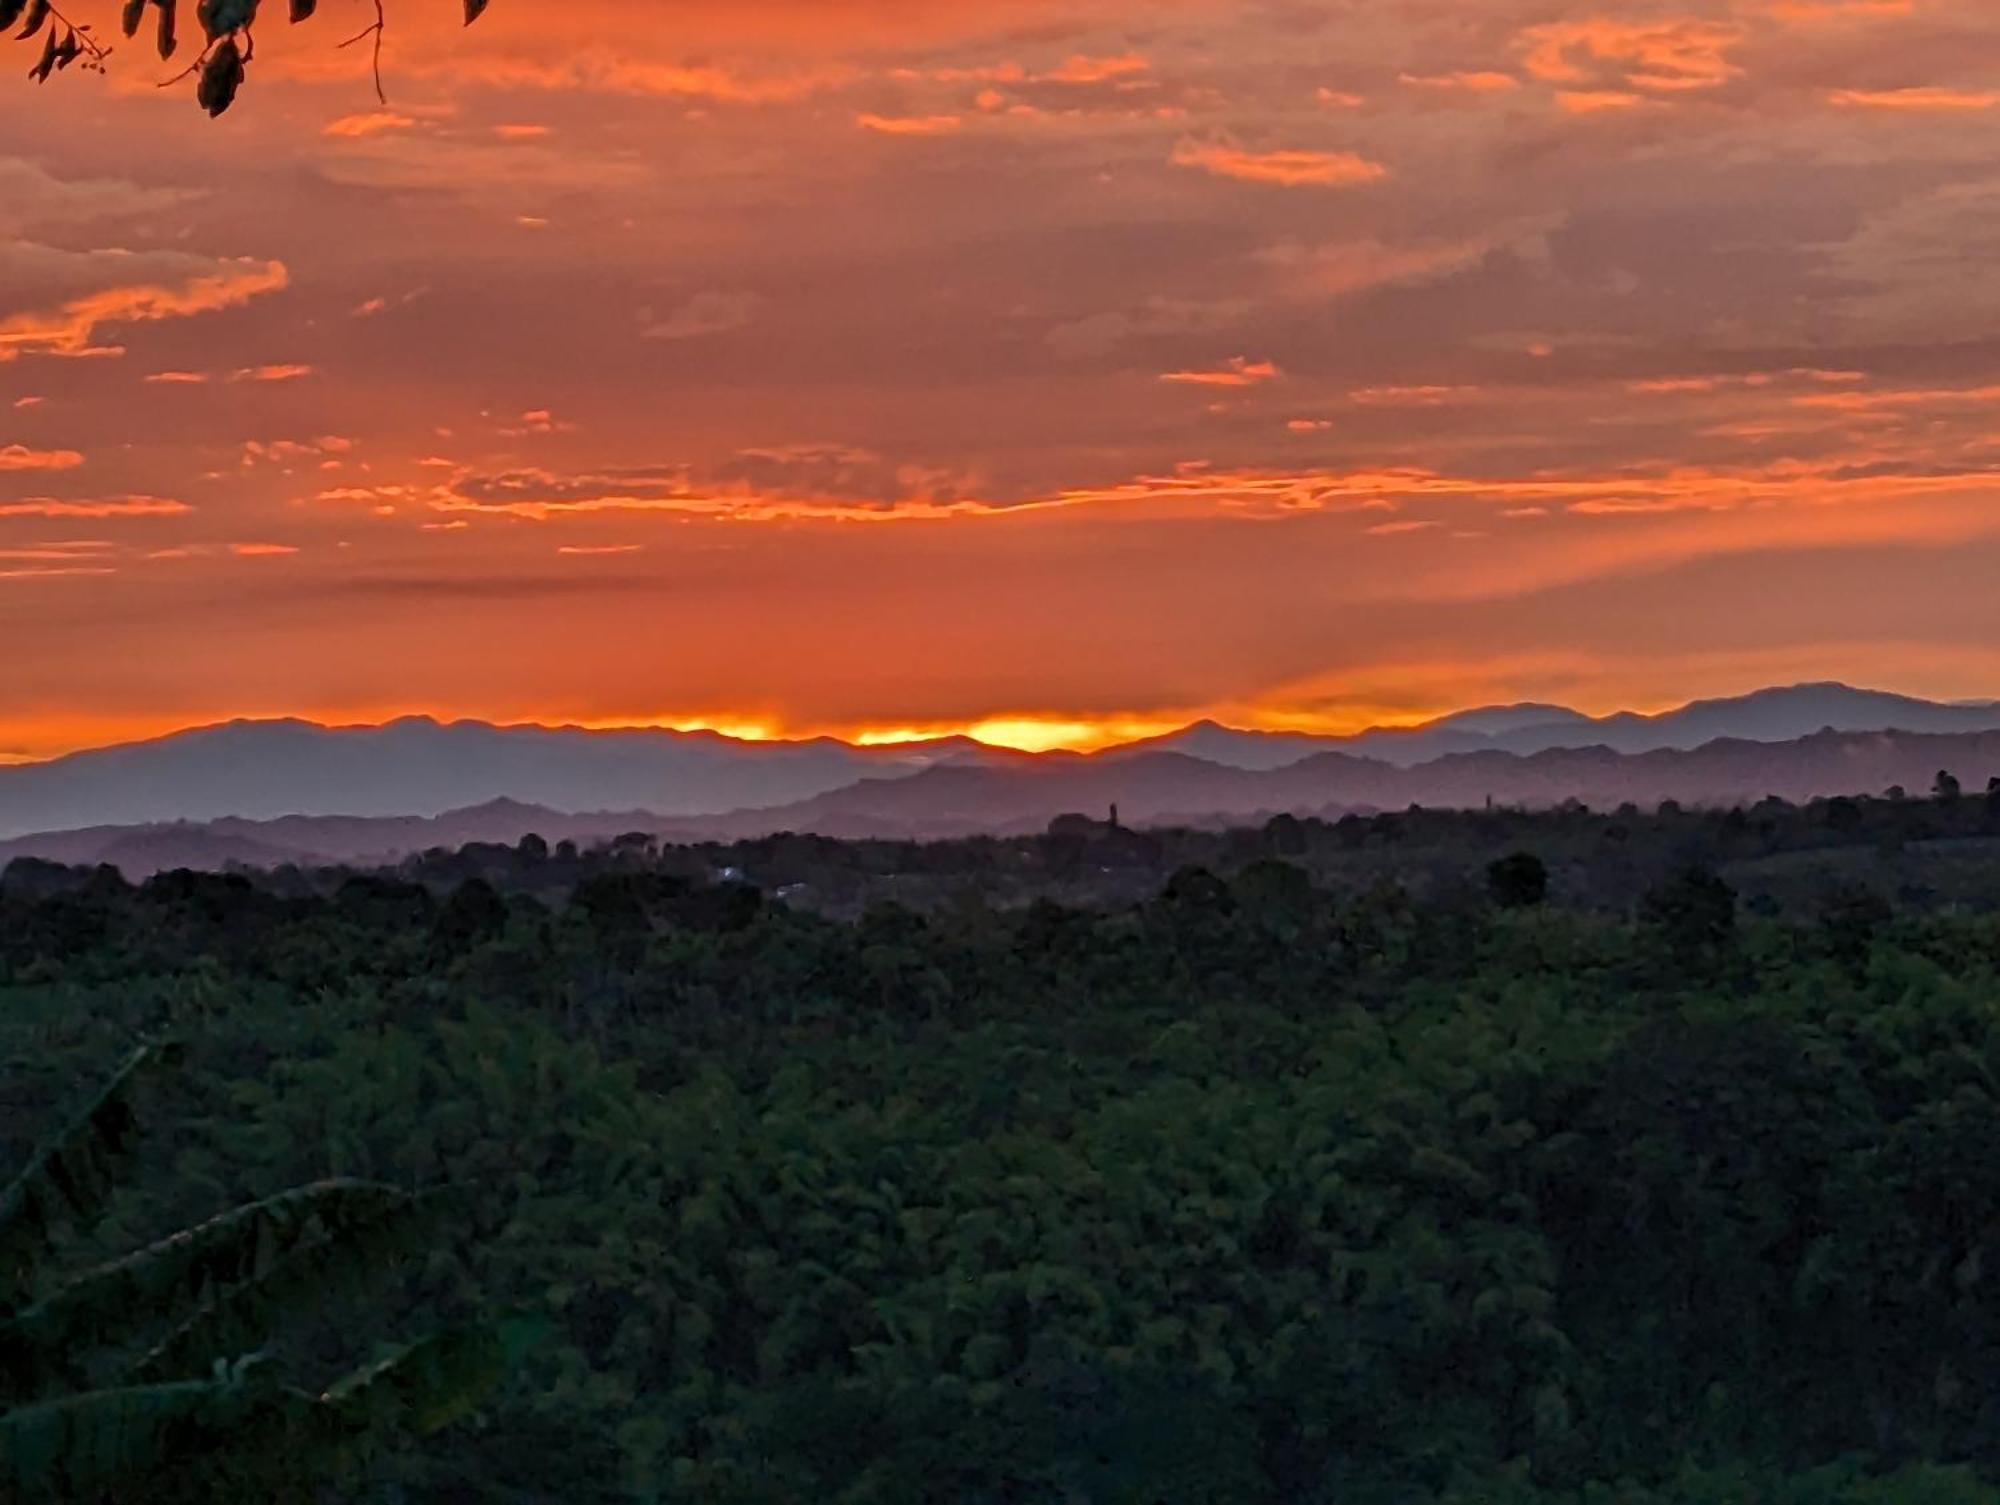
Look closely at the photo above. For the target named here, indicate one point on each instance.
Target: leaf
(133, 14)
(72, 1175)
(69, 51)
(167, 42)
(221, 77)
(10, 12)
(346, 1264)
(200, 1269)
(221, 18)
(224, 1436)
(431, 1384)
(302, 10)
(474, 9)
(40, 72)
(38, 14)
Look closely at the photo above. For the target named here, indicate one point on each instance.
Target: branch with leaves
(227, 30)
(188, 1407)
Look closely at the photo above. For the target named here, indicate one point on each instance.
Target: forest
(1481, 1158)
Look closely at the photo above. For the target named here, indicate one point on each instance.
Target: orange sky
(1060, 370)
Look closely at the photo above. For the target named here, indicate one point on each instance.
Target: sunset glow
(1309, 371)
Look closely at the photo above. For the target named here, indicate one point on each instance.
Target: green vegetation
(1381, 1162)
(142, 1378)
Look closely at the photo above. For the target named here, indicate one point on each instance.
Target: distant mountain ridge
(421, 768)
(1022, 795)
(263, 770)
(1775, 715)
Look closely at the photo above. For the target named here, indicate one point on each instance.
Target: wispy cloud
(20, 457)
(1239, 371)
(1284, 167)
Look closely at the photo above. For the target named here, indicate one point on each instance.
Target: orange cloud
(271, 373)
(373, 123)
(1428, 397)
(57, 572)
(1082, 69)
(910, 125)
(1240, 371)
(128, 506)
(1660, 56)
(1594, 101)
(1294, 168)
(72, 328)
(20, 457)
(1469, 83)
(1920, 98)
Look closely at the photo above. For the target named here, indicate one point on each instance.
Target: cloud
(1668, 56)
(20, 457)
(125, 506)
(1595, 101)
(1472, 82)
(1907, 272)
(56, 572)
(1080, 68)
(1099, 333)
(910, 125)
(1920, 98)
(1343, 267)
(708, 312)
(479, 168)
(58, 301)
(1286, 168)
(32, 199)
(791, 482)
(372, 123)
(1239, 371)
(1419, 397)
(291, 372)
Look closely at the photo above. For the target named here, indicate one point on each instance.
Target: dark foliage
(1316, 1162)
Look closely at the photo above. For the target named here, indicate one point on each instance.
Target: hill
(264, 770)
(1018, 794)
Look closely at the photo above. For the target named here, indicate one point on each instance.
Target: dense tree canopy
(1325, 1177)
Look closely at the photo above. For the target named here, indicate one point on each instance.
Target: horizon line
(1032, 733)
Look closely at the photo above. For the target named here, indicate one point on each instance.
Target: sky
(1062, 371)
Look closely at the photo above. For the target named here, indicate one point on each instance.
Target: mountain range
(260, 793)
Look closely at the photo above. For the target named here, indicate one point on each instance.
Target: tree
(1696, 911)
(142, 1378)
(1947, 789)
(226, 27)
(1518, 882)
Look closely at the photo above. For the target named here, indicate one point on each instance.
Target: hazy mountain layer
(1024, 794)
(421, 768)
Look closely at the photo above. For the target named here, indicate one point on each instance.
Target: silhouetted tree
(1696, 911)
(1518, 882)
(1947, 789)
(1843, 815)
(1286, 835)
